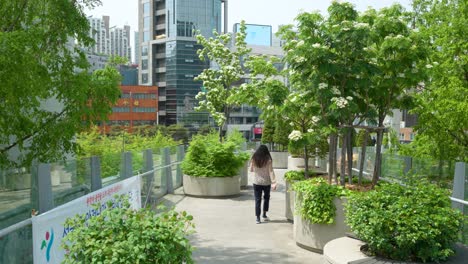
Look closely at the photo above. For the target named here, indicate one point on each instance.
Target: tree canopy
(47, 92)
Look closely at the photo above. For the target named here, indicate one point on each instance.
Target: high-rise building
(136, 48)
(168, 53)
(98, 32)
(109, 41)
(120, 42)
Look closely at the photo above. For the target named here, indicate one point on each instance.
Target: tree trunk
(350, 155)
(363, 156)
(378, 154)
(343, 160)
(335, 165)
(306, 162)
(330, 159)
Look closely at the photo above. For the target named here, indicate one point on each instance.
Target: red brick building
(137, 106)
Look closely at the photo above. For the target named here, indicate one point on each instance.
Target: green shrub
(207, 157)
(294, 175)
(316, 202)
(125, 235)
(412, 223)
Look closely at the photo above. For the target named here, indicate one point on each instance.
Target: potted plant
(319, 216)
(211, 167)
(290, 178)
(414, 222)
(124, 235)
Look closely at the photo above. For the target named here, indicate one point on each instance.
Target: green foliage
(360, 138)
(208, 157)
(268, 131)
(442, 105)
(47, 91)
(120, 234)
(411, 223)
(110, 148)
(316, 200)
(178, 133)
(294, 175)
(218, 81)
(282, 131)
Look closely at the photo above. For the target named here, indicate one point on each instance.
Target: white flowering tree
(400, 55)
(226, 69)
(356, 68)
(300, 110)
(327, 58)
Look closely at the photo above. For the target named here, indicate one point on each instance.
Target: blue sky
(265, 12)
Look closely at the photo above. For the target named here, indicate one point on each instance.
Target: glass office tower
(168, 57)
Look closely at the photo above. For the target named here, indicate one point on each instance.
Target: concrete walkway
(226, 231)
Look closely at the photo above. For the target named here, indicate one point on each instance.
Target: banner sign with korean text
(49, 228)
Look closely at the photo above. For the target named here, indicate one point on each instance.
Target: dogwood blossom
(295, 135)
(340, 102)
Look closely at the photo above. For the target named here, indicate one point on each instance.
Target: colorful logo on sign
(47, 243)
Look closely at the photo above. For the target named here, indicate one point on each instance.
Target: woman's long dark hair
(261, 156)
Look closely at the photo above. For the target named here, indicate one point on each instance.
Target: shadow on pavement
(228, 255)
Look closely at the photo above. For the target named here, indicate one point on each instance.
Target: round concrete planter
(244, 174)
(211, 186)
(289, 201)
(314, 237)
(280, 160)
(298, 163)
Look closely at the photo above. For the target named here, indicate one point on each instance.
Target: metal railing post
(167, 171)
(459, 184)
(148, 180)
(126, 170)
(41, 189)
(96, 180)
(408, 164)
(180, 157)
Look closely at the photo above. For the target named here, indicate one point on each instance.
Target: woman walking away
(264, 180)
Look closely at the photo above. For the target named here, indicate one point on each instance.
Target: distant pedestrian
(264, 180)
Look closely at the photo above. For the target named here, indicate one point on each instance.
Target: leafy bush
(109, 148)
(207, 157)
(124, 235)
(316, 203)
(294, 175)
(413, 223)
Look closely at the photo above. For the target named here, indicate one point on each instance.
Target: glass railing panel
(70, 179)
(15, 196)
(16, 247)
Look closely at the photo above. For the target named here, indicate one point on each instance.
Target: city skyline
(124, 12)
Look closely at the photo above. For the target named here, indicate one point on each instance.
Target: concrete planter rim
(211, 187)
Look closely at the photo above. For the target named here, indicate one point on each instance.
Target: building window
(144, 51)
(144, 109)
(144, 64)
(120, 109)
(146, 36)
(146, 9)
(144, 78)
(402, 136)
(412, 136)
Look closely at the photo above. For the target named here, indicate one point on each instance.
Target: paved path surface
(227, 233)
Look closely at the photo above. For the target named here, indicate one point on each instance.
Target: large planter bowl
(298, 163)
(313, 237)
(211, 186)
(244, 174)
(290, 194)
(280, 160)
